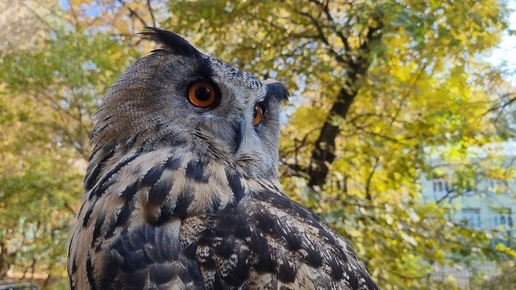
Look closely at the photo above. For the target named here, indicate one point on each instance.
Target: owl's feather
(175, 202)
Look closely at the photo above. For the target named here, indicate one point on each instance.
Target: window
(471, 218)
(440, 186)
(497, 182)
(501, 218)
(498, 186)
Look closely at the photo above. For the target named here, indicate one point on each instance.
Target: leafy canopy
(374, 83)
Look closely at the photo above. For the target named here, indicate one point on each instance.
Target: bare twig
(134, 13)
(151, 12)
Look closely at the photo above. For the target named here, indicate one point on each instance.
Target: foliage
(374, 83)
(47, 101)
(505, 280)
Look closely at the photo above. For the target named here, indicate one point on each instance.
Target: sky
(505, 53)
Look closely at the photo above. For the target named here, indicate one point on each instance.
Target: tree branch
(324, 153)
(134, 13)
(151, 13)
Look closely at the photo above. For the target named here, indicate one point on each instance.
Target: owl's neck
(167, 182)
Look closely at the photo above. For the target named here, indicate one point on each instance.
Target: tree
(504, 280)
(46, 102)
(381, 80)
(373, 84)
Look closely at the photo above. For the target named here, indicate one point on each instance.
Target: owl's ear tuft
(171, 42)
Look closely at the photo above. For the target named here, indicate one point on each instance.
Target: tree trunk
(323, 154)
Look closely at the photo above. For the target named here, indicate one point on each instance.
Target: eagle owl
(182, 187)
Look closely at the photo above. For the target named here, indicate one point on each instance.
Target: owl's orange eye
(259, 109)
(202, 94)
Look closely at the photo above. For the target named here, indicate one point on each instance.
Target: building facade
(488, 203)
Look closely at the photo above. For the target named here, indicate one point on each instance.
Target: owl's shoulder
(268, 241)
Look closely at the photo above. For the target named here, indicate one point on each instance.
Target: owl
(182, 189)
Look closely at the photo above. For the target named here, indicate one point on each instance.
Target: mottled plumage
(182, 189)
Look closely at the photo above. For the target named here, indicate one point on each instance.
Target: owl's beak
(239, 134)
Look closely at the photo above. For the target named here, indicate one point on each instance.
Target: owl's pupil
(203, 94)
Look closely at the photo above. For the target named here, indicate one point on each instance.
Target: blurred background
(400, 131)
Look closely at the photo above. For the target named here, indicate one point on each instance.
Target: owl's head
(180, 98)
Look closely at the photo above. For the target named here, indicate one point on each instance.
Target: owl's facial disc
(254, 123)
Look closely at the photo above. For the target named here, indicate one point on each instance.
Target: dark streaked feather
(148, 257)
(172, 42)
